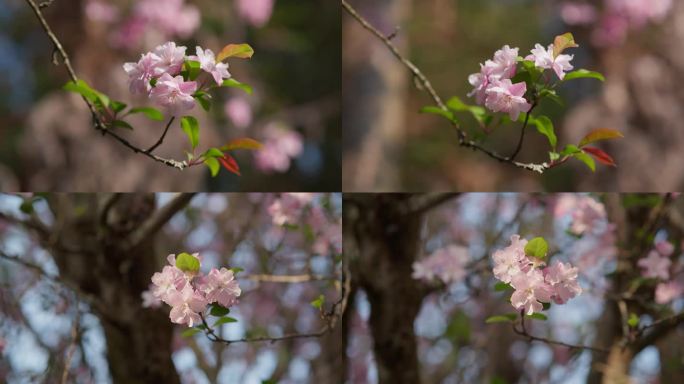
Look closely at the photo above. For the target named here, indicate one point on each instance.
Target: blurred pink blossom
(666, 292)
(97, 10)
(238, 110)
(655, 265)
(445, 264)
(255, 12)
(280, 145)
(578, 13)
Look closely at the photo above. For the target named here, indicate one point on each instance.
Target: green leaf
(600, 134)
(545, 127)
(507, 318)
(538, 316)
(236, 84)
(191, 128)
(190, 332)
(582, 74)
(213, 165)
(218, 311)
(236, 270)
(552, 95)
(586, 159)
(456, 104)
(318, 303)
(187, 263)
(121, 124)
(203, 100)
(501, 286)
(82, 88)
(118, 106)
(151, 113)
(240, 51)
(224, 320)
(633, 320)
(529, 67)
(570, 150)
(546, 306)
(242, 143)
(212, 152)
(563, 42)
(438, 111)
(537, 247)
(192, 69)
(27, 207)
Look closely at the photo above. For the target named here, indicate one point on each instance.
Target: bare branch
(656, 330)
(427, 85)
(303, 278)
(158, 219)
(161, 139)
(523, 332)
(422, 203)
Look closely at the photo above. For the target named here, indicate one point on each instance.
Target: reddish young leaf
(600, 134)
(600, 156)
(563, 42)
(230, 164)
(243, 143)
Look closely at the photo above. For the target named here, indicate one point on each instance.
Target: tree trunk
(87, 247)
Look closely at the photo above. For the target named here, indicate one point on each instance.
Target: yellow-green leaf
(563, 42)
(600, 134)
(240, 51)
(242, 143)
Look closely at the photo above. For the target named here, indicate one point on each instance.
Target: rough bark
(87, 247)
(387, 244)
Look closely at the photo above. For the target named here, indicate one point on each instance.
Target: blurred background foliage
(46, 142)
(447, 39)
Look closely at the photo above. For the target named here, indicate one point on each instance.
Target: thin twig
(98, 125)
(523, 332)
(161, 139)
(158, 219)
(427, 85)
(522, 132)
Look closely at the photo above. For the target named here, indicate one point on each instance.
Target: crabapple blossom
(140, 73)
(504, 96)
(446, 264)
(562, 277)
(256, 12)
(587, 214)
(530, 291)
(509, 262)
(666, 292)
(220, 286)
(238, 110)
(288, 208)
(544, 58)
(174, 94)
(171, 58)
(207, 60)
(169, 280)
(502, 66)
(281, 144)
(186, 305)
(149, 299)
(655, 265)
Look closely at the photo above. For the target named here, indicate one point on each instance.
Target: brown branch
(522, 132)
(422, 203)
(523, 332)
(285, 278)
(657, 330)
(161, 139)
(158, 219)
(427, 85)
(98, 125)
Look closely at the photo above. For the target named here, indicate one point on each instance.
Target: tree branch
(423, 80)
(523, 332)
(161, 139)
(98, 125)
(158, 219)
(658, 329)
(422, 203)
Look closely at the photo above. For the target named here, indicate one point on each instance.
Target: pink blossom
(480, 82)
(504, 63)
(578, 13)
(504, 96)
(655, 266)
(543, 58)
(563, 280)
(279, 147)
(510, 261)
(149, 299)
(611, 30)
(174, 94)
(220, 286)
(445, 264)
(168, 281)
(207, 60)
(186, 304)
(171, 58)
(665, 248)
(530, 291)
(329, 239)
(239, 111)
(255, 12)
(640, 12)
(177, 18)
(666, 292)
(586, 215)
(97, 10)
(288, 208)
(140, 73)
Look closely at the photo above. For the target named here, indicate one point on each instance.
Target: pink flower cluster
(280, 146)
(658, 265)
(164, 64)
(446, 264)
(145, 20)
(612, 21)
(188, 294)
(493, 87)
(255, 12)
(533, 281)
